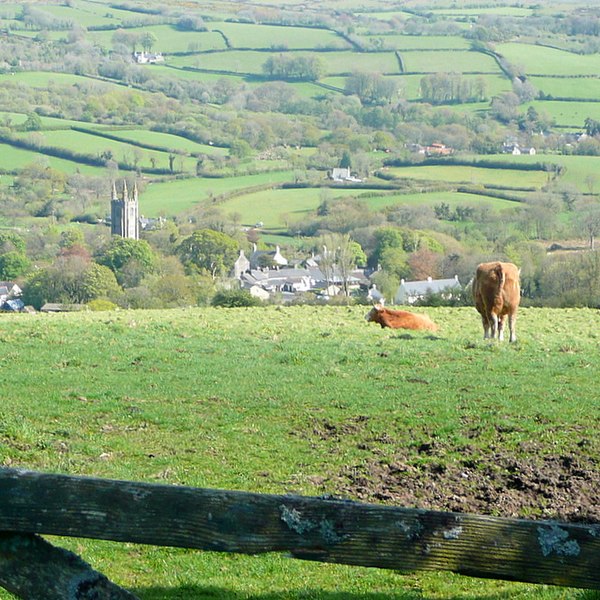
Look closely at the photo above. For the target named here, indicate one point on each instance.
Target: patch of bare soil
(565, 487)
(530, 481)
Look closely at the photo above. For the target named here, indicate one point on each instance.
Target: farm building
(341, 174)
(148, 58)
(409, 292)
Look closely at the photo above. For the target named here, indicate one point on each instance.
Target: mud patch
(564, 487)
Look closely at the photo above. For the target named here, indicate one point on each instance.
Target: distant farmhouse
(410, 292)
(343, 174)
(10, 297)
(148, 58)
(514, 148)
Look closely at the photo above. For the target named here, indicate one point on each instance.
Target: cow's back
(496, 288)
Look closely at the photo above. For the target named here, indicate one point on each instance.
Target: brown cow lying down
(399, 319)
(497, 292)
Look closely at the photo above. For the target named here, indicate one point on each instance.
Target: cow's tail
(501, 275)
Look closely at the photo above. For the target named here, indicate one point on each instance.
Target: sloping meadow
(312, 401)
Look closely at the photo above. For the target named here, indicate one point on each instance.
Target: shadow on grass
(214, 593)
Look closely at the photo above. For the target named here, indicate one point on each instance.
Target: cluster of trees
(451, 88)
(299, 68)
(372, 88)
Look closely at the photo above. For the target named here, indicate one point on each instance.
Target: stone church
(124, 217)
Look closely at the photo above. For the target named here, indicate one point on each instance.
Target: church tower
(124, 213)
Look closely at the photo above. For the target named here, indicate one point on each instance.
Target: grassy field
(248, 61)
(458, 61)
(541, 60)
(568, 87)
(17, 158)
(169, 141)
(568, 114)
(311, 401)
(169, 39)
(242, 35)
(94, 145)
(421, 42)
(276, 207)
(173, 197)
(410, 86)
(471, 174)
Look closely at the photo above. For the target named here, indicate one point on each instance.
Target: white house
(147, 58)
(409, 292)
(341, 174)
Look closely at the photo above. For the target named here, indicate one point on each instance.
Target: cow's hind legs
(486, 327)
(494, 329)
(501, 328)
(512, 322)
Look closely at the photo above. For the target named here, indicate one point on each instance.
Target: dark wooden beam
(326, 530)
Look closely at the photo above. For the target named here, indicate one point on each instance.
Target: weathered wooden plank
(327, 530)
(31, 568)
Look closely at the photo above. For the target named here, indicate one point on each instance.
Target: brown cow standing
(399, 319)
(497, 292)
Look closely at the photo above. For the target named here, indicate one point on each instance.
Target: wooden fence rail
(320, 529)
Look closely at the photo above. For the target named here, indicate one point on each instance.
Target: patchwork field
(312, 401)
(472, 174)
(542, 60)
(169, 39)
(459, 61)
(173, 197)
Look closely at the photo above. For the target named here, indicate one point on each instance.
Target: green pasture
(54, 35)
(170, 198)
(421, 42)
(541, 60)
(568, 87)
(44, 79)
(410, 85)
(10, 10)
(297, 400)
(168, 71)
(503, 10)
(248, 61)
(169, 39)
(169, 141)
(472, 175)
(93, 145)
(12, 159)
(90, 13)
(453, 199)
(567, 114)
(457, 61)
(578, 170)
(80, 15)
(304, 89)
(277, 208)
(233, 61)
(12, 119)
(250, 35)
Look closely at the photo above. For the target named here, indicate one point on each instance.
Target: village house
(148, 58)
(437, 149)
(409, 292)
(515, 149)
(267, 274)
(343, 174)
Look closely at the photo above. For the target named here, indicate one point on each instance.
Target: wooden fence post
(32, 568)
